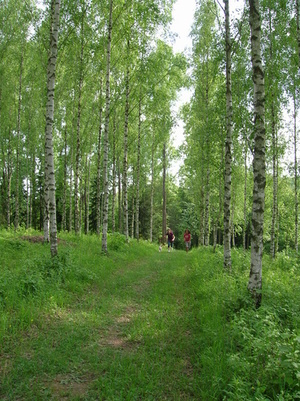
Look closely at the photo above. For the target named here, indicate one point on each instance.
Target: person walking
(171, 238)
(187, 239)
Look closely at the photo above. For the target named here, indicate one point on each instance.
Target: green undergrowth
(137, 324)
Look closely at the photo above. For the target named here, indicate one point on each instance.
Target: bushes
(247, 354)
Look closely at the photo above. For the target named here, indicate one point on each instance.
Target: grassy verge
(143, 325)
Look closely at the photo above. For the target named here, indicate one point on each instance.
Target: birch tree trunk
(137, 206)
(119, 197)
(71, 191)
(202, 211)
(114, 180)
(132, 220)
(275, 186)
(232, 217)
(77, 221)
(9, 174)
(98, 196)
(296, 173)
(228, 143)
(274, 148)
(259, 173)
(17, 212)
(164, 211)
(64, 200)
(298, 29)
(152, 195)
(105, 147)
(32, 192)
(49, 153)
(87, 195)
(245, 194)
(207, 199)
(27, 192)
(125, 160)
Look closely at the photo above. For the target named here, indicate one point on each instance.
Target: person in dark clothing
(171, 238)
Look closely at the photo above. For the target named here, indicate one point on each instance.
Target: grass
(142, 325)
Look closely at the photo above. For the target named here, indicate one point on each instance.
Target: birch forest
(87, 122)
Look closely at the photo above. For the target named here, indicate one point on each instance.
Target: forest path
(128, 336)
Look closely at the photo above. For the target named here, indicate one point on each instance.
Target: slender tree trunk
(296, 174)
(245, 196)
(202, 210)
(232, 218)
(114, 179)
(71, 191)
(164, 211)
(27, 191)
(125, 160)
(277, 214)
(77, 222)
(220, 202)
(17, 207)
(119, 197)
(132, 219)
(298, 29)
(137, 206)
(259, 173)
(64, 200)
(9, 174)
(152, 195)
(87, 195)
(81, 199)
(274, 162)
(228, 143)
(106, 147)
(49, 152)
(32, 208)
(207, 199)
(274, 150)
(98, 202)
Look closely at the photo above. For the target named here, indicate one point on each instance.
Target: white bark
(296, 175)
(245, 196)
(152, 192)
(49, 153)
(77, 221)
(228, 144)
(64, 200)
(255, 278)
(98, 199)
(164, 211)
(105, 147)
(125, 159)
(298, 29)
(137, 217)
(114, 180)
(18, 146)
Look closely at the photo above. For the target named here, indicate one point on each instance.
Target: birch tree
(77, 221)
(49, 153)
(255, 278)
(228, 143)
(105, 145)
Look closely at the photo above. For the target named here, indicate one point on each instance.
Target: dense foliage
(154, 75)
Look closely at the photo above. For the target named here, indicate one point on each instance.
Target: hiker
(171, 238)
(187, 239)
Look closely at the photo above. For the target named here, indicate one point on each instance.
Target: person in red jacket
(187, 239)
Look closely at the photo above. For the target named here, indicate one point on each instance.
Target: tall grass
(142, 325)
